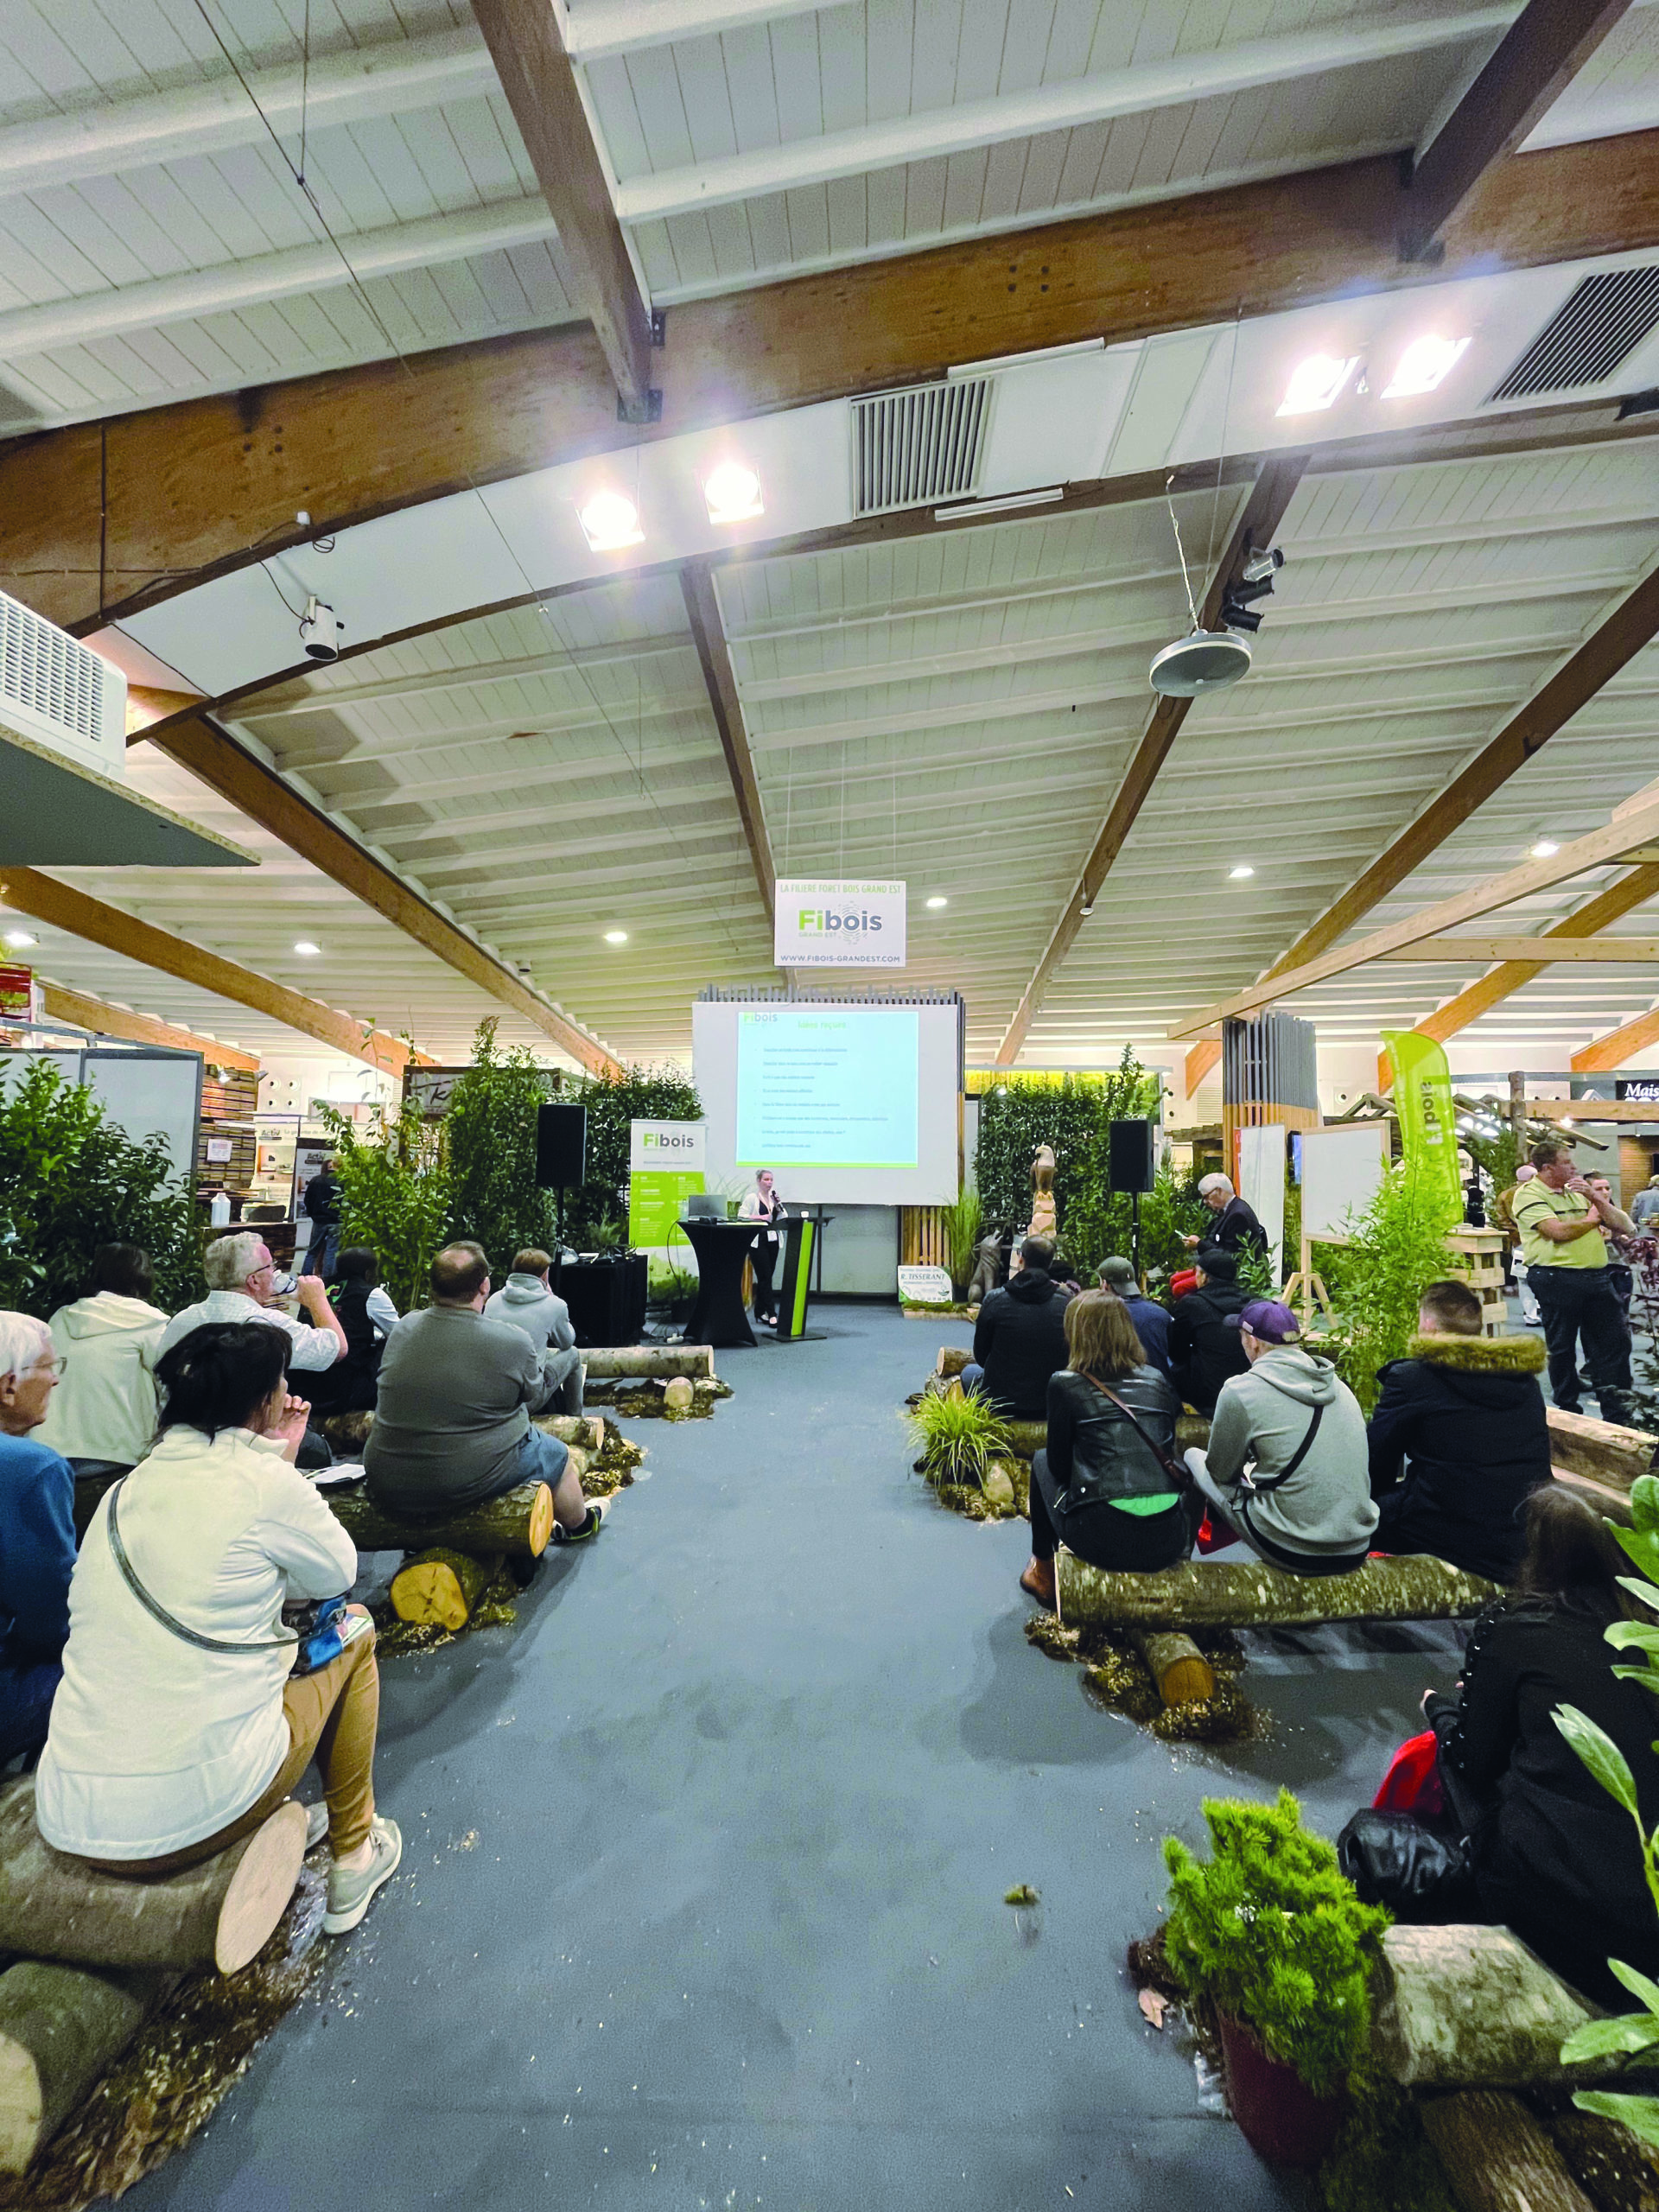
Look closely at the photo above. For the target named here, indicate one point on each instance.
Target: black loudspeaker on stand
(1132, 1169)
(561, 1151)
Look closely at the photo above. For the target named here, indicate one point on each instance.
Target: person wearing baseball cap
(1287, 1466)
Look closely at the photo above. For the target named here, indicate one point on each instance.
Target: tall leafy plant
(71, 1179)
(394, 1193)
(1394, 1249)
(962, 1222)
(1073, 1117)
(638, 1094)
(494, 1195)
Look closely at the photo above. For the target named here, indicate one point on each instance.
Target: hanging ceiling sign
(822, 923)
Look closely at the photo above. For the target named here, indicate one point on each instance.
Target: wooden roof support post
(1619, 1046)
(1537, 58)
(26, 891)
(59, 1003)
(1258, 525)
(540, 83)
(1200, 1061)
(709, 635)
(268, 799)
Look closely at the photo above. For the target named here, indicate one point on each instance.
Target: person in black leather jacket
(1205, 1346)
(1020, 1337)
(1100, 1483)
(1555, 1858)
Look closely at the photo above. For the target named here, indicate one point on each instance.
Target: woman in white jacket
(104, 1407)
(162, 1752)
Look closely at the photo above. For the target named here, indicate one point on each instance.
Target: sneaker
(587, 1531)
(316, 1823)
(350, 1889)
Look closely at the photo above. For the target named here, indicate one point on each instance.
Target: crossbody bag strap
(1171, 1465)
(1257, 1483)
(156, 1610)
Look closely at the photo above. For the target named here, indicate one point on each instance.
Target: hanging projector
(1203, 661)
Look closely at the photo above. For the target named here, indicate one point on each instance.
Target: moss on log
(1600, 1449)
(1497, 2155)
(1213, 1593)
(658, 1361)
(1465, 2007)
(1182, 1672)
(216, 1914)
(61, 2027)
(517, 1524)
(441, 1586)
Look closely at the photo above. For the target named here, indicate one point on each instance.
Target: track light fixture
(1254, 581)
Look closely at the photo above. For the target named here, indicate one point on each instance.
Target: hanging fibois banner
(665, 1165)
(830, 923)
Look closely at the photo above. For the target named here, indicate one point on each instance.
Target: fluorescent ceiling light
(616, 937)
(1544, 849)
(1315, 383)
(306, 950)
(20, 940)
(1237, 874)
(733, 491)
(939, 902)
(610, 521)
(1425, 363)
(1008, 501)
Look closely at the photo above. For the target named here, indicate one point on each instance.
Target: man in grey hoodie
(1286, 1465)
(530, 1302)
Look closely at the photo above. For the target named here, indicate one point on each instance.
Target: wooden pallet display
(1481, 1255)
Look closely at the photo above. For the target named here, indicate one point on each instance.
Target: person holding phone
(763, 1203)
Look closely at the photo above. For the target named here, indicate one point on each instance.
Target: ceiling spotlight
(1260, 566)
(609, 521)
(1425, 363)
(20, 940)
(733, 492)
(934, 903)
(307, 951)
(616, 937)
(1237, 874)
(1316, 383)
(1544, 849)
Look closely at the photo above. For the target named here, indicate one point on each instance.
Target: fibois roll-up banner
(666, 1163)
(827, 922)
(1429, 1119)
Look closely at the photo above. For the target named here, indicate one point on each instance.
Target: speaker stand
(1135, 1211)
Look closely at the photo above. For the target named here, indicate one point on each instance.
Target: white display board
(150, 1094)
(1342, 1170)
(852, 1101)
(1262, 1185)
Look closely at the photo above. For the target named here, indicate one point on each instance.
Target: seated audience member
(1100, 1485)
(528, 1299)
(160, 1753)
(368, 1317)
(37, 1539)
(1464, 1414)
(1286, 1464)
(1020, 1337)
(1151, 1320)
(240, 1274)
(1555, 1858)
(107, 1344)
(1235, 1225)
(452, 1424)
(1204, 1345)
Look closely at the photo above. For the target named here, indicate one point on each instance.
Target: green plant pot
(1278, 2115)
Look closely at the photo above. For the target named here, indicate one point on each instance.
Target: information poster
(667, 1161)
(1261, 1185)
(835, 1088)
(827, 922)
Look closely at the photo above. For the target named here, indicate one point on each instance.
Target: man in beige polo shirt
(1560, 1220)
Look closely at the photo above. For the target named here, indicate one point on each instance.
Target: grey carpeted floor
(702, 1904)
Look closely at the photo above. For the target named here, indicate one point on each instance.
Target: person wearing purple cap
(1287, 1466)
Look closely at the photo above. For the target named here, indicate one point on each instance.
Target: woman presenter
(763, 1203)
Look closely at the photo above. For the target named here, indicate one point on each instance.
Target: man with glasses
(241, 1286)
(37, 1539)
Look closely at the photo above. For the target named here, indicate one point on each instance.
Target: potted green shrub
(959, 1434)
(1269, 1933)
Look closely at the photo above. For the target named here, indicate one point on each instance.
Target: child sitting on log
(178, 1726)
(1107, 1482)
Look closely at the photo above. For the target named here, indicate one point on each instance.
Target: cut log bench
(1217, 1594)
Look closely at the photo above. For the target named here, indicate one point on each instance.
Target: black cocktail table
(722, 1247)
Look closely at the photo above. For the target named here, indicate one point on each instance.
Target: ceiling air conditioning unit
(58, 694)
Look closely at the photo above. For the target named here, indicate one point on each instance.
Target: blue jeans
(972, 1377)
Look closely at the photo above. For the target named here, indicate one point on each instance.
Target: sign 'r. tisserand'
(831, 923)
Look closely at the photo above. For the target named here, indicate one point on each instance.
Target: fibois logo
(825, 919)
(839, 925)
(681, 1143)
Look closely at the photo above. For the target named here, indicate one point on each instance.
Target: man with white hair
(1236, 1225)
(241, 1274)
(37, 1539)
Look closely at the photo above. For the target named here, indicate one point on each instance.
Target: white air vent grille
(1605, 320)
(48, 672)
(912, 448)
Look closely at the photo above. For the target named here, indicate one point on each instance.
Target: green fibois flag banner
(665, 1165)
(1428, 1121)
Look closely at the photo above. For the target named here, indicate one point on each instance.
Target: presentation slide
(852, 1102)
(833, 1088)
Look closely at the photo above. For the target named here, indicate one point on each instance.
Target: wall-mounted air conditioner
(57, 693)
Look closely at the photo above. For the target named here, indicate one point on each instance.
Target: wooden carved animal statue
(987, 1265)
(1043, 1218)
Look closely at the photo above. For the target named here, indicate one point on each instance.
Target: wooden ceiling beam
(708, 634)
(1200, 1062)
(525, 41)
(26, 891)
(1537, 58)
(1258, 524)
(1619, 1046)
(1640, 951)
(1615, 840)
(100, 517)
(268, 799)
(60, 1003)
